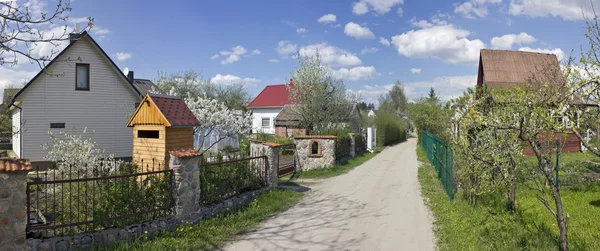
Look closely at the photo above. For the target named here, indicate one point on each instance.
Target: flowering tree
(77, 156)
(215, 116)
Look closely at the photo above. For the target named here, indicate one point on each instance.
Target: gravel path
(377, 206)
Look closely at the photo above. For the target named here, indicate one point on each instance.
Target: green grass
(335, 170)
(489, 226)
(215, 232)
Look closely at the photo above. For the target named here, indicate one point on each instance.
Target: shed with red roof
(267, 105)
(160, 124)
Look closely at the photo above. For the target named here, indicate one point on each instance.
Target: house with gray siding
(80, 88)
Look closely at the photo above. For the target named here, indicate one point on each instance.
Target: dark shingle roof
(144, 86)
(175, 110)
(288, 116)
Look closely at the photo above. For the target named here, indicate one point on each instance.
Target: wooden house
(161, 123)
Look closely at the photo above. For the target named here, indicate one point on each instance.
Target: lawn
(337, 169)
(215, 232)
(489, 226)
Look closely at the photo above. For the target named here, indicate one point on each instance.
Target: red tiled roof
(175, 110)
(271, 96)
(184, 153)
(14, 165)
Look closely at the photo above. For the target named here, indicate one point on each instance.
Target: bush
(342, 143)
(220, 181)
(389, 130)
(359, 143)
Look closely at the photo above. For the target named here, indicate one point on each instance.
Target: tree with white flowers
(215, 116)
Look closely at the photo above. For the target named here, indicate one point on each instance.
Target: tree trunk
(560, 219)
(512, 196)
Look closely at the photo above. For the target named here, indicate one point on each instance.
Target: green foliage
(427, 114)
(389, 129)
(489, 226)
(342, 143)
(359, 142)
(273, 138)
(213, 233)
(219, 181)
(244, 145)
(74, 202)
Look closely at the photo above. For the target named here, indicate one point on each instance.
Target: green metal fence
(440, 155)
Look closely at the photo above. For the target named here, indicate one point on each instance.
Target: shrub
(389, 130)
(220, 181)
(359, 143)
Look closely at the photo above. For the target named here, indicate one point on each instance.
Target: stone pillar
(352, 145)
(187, 183)
(13, 203)
(273, 166)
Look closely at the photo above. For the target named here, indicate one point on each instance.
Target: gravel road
(377, 206)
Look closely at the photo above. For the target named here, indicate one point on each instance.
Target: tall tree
(322, 99)
(24, 26)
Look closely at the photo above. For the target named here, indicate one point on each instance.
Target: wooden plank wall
(178, 138)
(571, 145)
(147, 149)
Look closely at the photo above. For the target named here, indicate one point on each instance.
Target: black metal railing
(221, 179)
(287, 160)
(67, 201)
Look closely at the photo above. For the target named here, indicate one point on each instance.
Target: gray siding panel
(104, 109)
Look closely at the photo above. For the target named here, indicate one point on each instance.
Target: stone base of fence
(133, 232)
(13, 209)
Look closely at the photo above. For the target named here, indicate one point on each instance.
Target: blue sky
(368, 43)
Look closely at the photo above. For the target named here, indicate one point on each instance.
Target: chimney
(75, 35)
(130, 76)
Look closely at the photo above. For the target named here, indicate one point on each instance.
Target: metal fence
(222, 178)
(76, 200)
(5, 141)
(440, 156)
(287, 160)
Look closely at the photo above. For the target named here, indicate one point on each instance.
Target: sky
(370, 44)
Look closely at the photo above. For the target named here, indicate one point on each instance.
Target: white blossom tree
(76, 156)
(215, 116)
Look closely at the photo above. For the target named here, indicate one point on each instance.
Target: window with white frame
(266, 122)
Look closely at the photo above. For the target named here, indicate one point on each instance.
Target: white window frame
(262, 122)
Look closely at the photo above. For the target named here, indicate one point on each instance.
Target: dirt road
(377, 206)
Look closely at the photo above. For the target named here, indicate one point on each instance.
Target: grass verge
(335, 170)
(489, 226)
(213, 233)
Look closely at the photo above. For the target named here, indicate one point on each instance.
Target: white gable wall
(104, 109)
(259, 113)
(16, 137)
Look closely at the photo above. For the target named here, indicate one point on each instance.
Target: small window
(266, 122)
(82, 77)
(314, 148)
(148, 134)
(57, 125)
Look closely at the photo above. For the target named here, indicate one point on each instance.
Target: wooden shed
(161, 123)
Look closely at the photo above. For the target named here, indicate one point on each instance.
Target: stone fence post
(352, 145)
(271, 150)
(186, 192)
(13, 203)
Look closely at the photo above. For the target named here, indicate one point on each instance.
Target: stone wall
(187, 184)
(325, 157)
(271, 150)
(13, 207)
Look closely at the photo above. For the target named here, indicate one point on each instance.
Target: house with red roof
(266, 106)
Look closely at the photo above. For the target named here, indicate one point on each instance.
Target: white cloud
(331, 55)
(100, 32)
(336, 25)
(231, 79)
(122, 56)
(15, 78)
(328, 18)
(442, 41)
(369, 50)
(390, 73)
(356, 31)
(256, 52)
(301, 30)
(286, 48)
(506, 42)
(379, 6)
(475, 8)
(126, 70)
(79, 20)
(400, 12)
(215, 56)
(234, 55)
(384, 41)
(560, 54)
(566, 9)
(415, 70)
(355, 73)
(273, 60)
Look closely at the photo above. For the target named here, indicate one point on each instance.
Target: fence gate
(287, 159)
